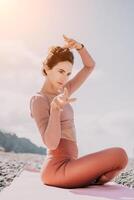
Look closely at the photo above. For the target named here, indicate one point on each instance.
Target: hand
(61, 100)
(71, 43)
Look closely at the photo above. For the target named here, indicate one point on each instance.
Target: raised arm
(82, 75)
(47, 122)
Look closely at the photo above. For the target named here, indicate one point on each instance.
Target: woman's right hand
(71, 43)
(61, 100)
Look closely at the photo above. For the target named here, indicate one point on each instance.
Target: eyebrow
(64, 71)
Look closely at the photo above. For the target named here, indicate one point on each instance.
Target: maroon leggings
(62, 167)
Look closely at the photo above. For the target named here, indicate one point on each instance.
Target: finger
(69, 40)
(59, 107)
(65, 94)
(72, 42)
(65, 37)
(56, 105)
(72, 100)
(71, 45)
(75, 45)
(59, 101)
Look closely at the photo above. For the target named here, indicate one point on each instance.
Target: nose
(64, 79)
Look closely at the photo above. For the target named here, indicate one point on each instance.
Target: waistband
(65, 149)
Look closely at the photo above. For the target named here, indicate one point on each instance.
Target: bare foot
(102, 180)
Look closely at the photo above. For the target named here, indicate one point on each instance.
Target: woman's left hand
(61, 100)
(71, 43)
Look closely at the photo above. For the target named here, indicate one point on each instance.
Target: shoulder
(39, 98)
(38, 104)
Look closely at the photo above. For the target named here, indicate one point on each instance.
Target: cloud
(96, 132)
(19, 76)
(15, 116)
(15, 54)
(118, 122)
(20, 67)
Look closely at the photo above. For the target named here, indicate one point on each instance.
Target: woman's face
(59, 74)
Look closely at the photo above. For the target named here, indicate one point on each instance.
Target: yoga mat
(29, 186)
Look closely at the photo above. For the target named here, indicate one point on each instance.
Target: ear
(46, 68)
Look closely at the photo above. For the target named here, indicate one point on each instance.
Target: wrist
(81, 47)
(55, 110)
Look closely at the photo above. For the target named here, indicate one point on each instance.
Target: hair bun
(57, 49)
(51, 49)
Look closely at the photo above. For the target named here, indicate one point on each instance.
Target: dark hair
(57, 54)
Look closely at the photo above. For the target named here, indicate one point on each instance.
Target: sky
(104, 110)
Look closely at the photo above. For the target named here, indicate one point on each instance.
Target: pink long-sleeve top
(63, 122)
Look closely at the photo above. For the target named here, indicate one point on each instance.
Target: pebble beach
(12, 164)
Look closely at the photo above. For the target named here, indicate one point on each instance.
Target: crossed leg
(103, 166)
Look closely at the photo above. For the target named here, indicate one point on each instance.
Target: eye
(67, 74)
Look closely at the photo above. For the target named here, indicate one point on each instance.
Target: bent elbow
(52, 146)
(91, 66)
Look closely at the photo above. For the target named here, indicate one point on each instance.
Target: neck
(48, 88)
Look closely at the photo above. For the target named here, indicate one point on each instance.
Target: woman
(54, 116)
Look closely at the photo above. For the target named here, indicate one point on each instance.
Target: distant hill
(11, 142)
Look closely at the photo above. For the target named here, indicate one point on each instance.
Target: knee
(41, 177)
(122, 157)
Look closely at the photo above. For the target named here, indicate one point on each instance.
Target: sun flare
(6, 5)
